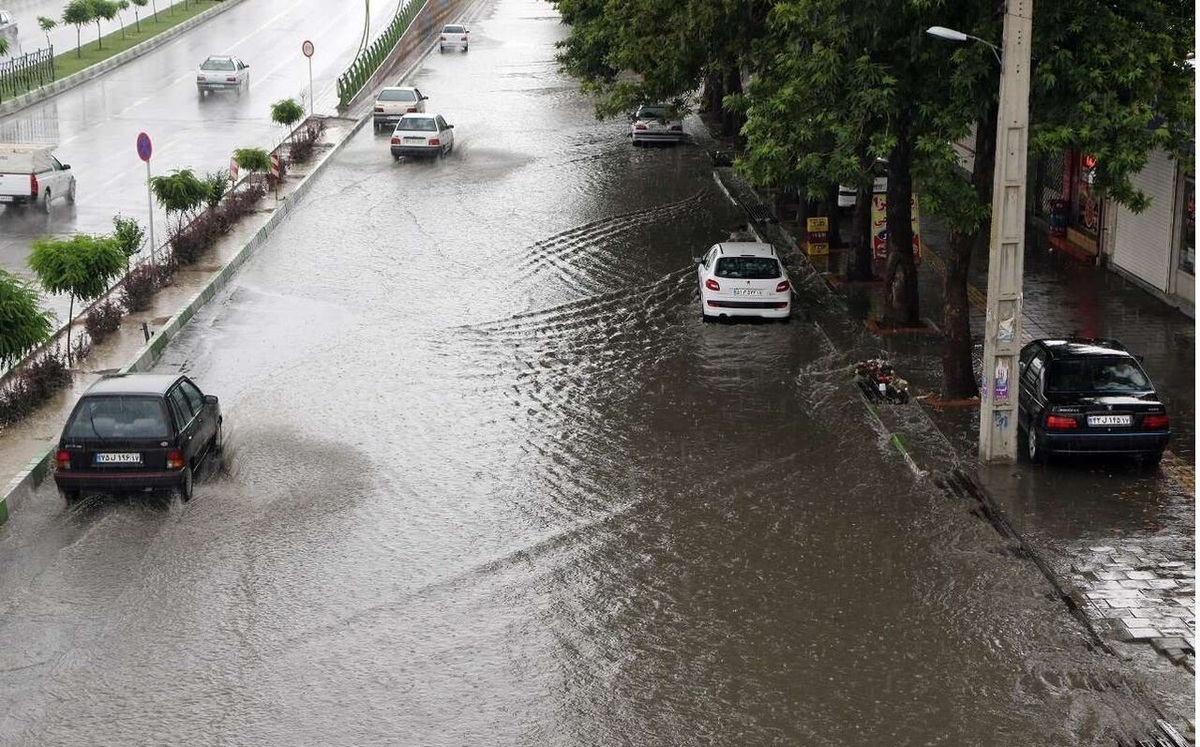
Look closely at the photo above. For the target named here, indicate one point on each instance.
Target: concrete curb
(26, 100)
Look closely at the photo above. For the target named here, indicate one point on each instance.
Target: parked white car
(32, 175)
(222, 73)
(422, 135)
(8, 29)
(655, 123)
(394, 102)
(454, 36)
(743, 278)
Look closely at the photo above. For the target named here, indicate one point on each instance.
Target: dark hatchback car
(1089, 397)
(137, 432)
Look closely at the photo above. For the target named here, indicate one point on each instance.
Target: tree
(82, 266)
(77, 13)
(122, 5)
(217, 183)
(102, 10)
(129, 236)
(287, 112)
(24, 325)
(254, 160)
(180, 193)
(47, 24)
(3, 46)
(136, 18)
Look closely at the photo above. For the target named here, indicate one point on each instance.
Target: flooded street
(489, 480)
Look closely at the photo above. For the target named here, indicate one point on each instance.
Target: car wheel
(786, 320)
(217, 443)
(395, 157)
(187, 485)
(46, 201)
(464, 49)
(1152, 460)
(69, 496)
(1034, 447)
(71, 193)
(442, 50)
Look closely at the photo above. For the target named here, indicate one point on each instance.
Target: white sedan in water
(743, 278)
(422, 135)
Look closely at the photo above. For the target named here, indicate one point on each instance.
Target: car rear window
(454, 30)
(119, 416)
(422, 124)
(748, 268)
(397, 95)
(217, 65)
(1097, 375)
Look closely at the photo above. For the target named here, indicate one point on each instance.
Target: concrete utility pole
(1006, 255)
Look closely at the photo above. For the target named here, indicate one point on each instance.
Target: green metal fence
(369, 59)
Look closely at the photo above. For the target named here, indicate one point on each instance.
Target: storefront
(1073, 206)
(1157, 246)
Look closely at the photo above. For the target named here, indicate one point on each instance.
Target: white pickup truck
(30, 174)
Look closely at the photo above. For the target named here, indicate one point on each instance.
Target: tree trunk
(860, 260)
(958, 373)
(70, 318)
(713, 93)
(903, 302)
(731, 122)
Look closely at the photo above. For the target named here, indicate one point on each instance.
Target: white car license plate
(6, 198)
(123, 458)
(747, 292)
(1109, 419)
(415, 140)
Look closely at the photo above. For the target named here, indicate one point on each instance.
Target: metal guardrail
(370, 58)
(22, 74)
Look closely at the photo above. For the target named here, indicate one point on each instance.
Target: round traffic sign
(307, 48)
(144, 148)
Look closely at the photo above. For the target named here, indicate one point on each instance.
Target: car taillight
(783, 286)
(379, 110)
(443, 37)
(410, 109)
(1061, 423)
(395, 141)
(1157, 422)
(712, 285)
(231, 79)
(639, 126)
(62, 460)
(33, 185)
(174, 459)
(434, 141)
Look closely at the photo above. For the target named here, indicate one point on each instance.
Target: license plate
(414, 140)
(1109, 419)
(747, 292)
(6, 198)
(125, 458)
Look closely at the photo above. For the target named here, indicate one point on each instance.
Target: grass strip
(96, 51)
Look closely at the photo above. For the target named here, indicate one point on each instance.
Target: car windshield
(118, 417)
(397, 94)
(422, 124)
(1096, 375)
(654, 112)
(748, 268)
(212, 64)
(454, 30)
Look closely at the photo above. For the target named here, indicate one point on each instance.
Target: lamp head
(945, 33)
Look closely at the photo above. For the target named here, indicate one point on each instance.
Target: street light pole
(999, 390)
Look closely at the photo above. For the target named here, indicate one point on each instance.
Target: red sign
(144, 149)
(275, 165)
(307, 48)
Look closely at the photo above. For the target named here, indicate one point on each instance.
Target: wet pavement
(489, 480)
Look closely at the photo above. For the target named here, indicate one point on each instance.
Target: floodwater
(489, 480)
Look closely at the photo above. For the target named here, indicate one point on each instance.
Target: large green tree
(77, 13)
(82, 266)
(23, 323)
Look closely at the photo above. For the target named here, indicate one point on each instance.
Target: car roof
(420, 115)
(746, 249)
(219, 57)
(133, 383)
(1078, 347)
(397, 88)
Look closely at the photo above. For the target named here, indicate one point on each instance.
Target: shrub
(103, 320)
(304, 143)
(140, 286)
(192, 240)
(217, 184)
(242, 202)
(33, 385)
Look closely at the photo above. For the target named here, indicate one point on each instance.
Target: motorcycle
(879, 381)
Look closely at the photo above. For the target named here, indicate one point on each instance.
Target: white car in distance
(743, 279)
(454, 36)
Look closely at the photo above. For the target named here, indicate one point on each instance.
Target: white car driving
(655, 123)
(743, 278)
(222, 73)
(394, 102)
(454, 36)
(422, 135)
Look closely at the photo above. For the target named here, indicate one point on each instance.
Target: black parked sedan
(1089, 397)
(137, 432)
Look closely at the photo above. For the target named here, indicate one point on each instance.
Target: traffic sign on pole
(307, 49)
(144, 150)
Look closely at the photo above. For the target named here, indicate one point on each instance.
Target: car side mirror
(210, 399)
(449, 127)
(698, 260)
(66, 167)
